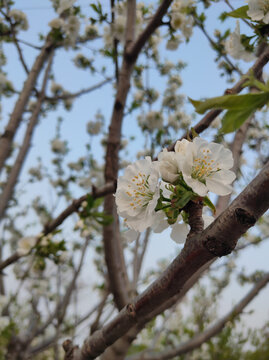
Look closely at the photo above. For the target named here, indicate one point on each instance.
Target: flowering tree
(112, 207)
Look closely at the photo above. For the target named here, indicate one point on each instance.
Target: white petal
(160, 222)
(130, 235)
(226, 176)
(218, 187)
(179, 232)
(196, 185)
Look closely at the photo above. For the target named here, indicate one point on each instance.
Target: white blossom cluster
(5, 84)
(154, 193)
(19, 19)
(235, 48)
(69, 25)
(117, 30)
(259, 10)
(179, 19)
(58, 146)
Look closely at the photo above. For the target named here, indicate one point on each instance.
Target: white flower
(173, 43)
(57, 23)
(235, 48)
(20, 18)
(3, 301)
(177, 20)
(151, 121)
(258, 10)
(56, 88)
(91, 31)
(4, 322)
(77, 166)
(137, 194)
(170, 162)
(5, 84)
(72, 29)
(205, 167)
(26, 244)
(35, 172)
(58, 146)
(167, 67)
(168, 165)
(64, 5)
(118, 28)
(180, 229)
(94, 127)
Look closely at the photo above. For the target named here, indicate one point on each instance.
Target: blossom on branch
(188, 173)
(205, 167)
(64, 5)
(235, 48)
(259, 10)
(137, 194)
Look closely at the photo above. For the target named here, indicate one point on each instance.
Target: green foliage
(240, 107)
(240, 13)
(90, 210)
(101, 16)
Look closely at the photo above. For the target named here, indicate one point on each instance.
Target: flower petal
(179, 232)
(197, 186)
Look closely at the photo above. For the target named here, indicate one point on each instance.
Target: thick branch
(117, 273)
(213, 330)
(116, 267)
(218, 239)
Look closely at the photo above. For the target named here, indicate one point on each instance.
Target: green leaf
(207, 202)
(98, 202)
(184, 199)
(102, 218)
(240, 13)
(90, 202)
(232, 102)
(233, 119)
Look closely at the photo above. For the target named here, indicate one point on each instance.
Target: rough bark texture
(118, 279)
(218, 239)
(213, 330)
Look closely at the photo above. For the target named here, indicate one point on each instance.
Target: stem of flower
(194, 209)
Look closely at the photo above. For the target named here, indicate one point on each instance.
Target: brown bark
(17, 166)
(117, 273)
(16, 116)
(212, 331)
(218, 239)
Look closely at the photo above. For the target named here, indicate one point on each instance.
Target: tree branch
(17, 166)
(212, 331)
(205, 122)
(78, 93)
(16, 116)
(219, 239)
